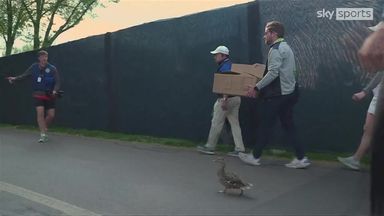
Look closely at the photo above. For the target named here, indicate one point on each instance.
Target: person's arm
(274, 62)
(225, 68)
(371, 85)
(374, 82)
(24, 75)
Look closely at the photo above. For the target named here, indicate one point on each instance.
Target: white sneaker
(249, 159)
(234, 153)
(350, 162)
(205, 150)
(298, 164)
(43, 139)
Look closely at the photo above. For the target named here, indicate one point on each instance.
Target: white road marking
(53, 203)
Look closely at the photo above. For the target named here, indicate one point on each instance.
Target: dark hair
(42, 52)
(276, 27)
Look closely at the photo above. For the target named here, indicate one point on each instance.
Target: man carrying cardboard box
(279, 93)
(226, 107)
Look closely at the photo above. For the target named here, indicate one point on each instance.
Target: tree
(50, 18)
(12, 21)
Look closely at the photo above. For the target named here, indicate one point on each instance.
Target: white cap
(379, 25)
(221, 49)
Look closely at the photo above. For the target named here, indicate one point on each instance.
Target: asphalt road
(72, 175)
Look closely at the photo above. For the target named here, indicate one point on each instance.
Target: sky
(129, 13)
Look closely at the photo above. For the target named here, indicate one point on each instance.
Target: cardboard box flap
(256, 70)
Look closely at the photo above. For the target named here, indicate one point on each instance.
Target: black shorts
(47, 104)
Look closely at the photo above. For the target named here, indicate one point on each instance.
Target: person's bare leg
(49, 118)
(40, 113)
(365, 143)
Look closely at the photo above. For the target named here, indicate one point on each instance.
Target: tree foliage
(13, 19)
(42, 21)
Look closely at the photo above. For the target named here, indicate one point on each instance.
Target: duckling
(230, 180)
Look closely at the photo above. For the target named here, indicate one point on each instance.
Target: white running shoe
(249, 159)
(43, 139)
(234, 153)
(205, 150)
(350, 162)
(298, 164)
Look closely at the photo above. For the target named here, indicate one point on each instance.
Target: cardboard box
(237, 81)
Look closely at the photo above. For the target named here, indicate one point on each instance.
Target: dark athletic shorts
(47, 104)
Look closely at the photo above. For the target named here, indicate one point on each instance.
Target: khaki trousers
(219, 116)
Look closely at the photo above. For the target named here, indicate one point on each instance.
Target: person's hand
(11, 80)
(54, 94)
(251, 92)
(224, 104)
(371, 53)
(359, 96)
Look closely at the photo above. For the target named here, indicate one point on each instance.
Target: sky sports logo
(346, 14)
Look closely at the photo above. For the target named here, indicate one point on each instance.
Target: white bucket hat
(379, 25)
(221, 49)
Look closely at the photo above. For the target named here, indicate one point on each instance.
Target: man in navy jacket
(45, 84)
